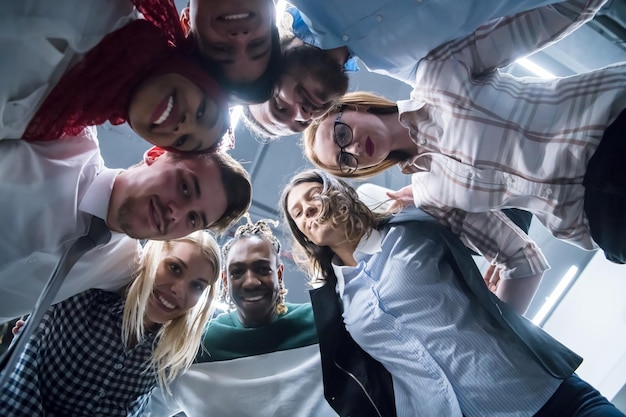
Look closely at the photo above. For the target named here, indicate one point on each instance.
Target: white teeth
(166, 113)
(237, 16)
(257, 298)
(166, 303)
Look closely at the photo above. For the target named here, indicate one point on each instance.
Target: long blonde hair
(178, 340)
(357, 100)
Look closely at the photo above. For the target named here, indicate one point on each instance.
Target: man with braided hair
(260, 359)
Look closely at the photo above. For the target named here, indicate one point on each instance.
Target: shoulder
(426, 237)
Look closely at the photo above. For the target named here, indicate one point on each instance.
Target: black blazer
(355, 384)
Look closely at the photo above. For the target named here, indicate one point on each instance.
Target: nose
(184, 124)
(303, 113)
(354, 148)
(177, 287)
(311, 211)
(250, 280)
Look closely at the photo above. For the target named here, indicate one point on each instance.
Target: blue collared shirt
(392, 36)
(404, 305)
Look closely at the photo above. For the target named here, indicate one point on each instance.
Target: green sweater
(225, 338)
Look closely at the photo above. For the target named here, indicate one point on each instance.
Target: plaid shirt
(76, 364)
(487, 140)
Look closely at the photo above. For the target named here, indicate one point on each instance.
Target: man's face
(310, 84)
(167, 198)
(234, 34)
(253, 275)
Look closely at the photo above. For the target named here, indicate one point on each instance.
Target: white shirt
(49, 192)
(405, 307)
(273, 384)
(30, 65)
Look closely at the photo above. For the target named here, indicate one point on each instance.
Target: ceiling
(597, 44)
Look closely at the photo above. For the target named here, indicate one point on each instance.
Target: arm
(502, 41)
(493, 235)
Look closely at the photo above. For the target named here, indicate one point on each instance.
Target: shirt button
(332, 398)
(379, 18)
(345, 38)
(102, 393)
(119, 366)
(422, 141)
(548, 192)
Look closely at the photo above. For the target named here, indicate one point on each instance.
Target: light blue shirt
(404, 306)
(392, 36)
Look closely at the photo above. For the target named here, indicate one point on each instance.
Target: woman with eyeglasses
(477, 141)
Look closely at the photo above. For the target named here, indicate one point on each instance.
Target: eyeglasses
(342, 135)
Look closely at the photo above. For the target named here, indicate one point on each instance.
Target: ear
(185, 21)
(279, 272)
(153, 154)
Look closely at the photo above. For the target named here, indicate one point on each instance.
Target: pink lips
(157, 217)
(369, 147)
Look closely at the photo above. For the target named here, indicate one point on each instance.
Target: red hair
(99, 87)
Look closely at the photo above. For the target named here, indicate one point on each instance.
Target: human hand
(492, 278)
(401, 198)
(18, 325)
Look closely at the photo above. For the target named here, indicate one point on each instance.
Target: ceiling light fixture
(556, 295)
(534, 68)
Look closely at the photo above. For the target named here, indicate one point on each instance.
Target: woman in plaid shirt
(101, 353)
(476, 141)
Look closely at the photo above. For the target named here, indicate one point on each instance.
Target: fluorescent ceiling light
(235, 116)
(556, 295)
(534, 68)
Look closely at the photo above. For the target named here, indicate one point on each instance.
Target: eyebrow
(182, 262)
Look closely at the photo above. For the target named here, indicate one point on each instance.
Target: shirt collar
(368, 245)
(303, 32)
(96, 199)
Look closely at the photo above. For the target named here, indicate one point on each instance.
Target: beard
(309, 61)
(125, 217)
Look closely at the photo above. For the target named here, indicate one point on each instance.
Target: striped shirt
(77, 365)
(487, 140)
(404, 305)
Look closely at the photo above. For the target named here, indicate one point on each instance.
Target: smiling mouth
(157, 217)
(164, 303)
(253, 299)
(235, 17)
(166, 112)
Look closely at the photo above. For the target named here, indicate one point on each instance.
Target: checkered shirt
(76, 364)
(488, 141)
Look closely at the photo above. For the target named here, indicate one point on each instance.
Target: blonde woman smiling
(102, 353)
